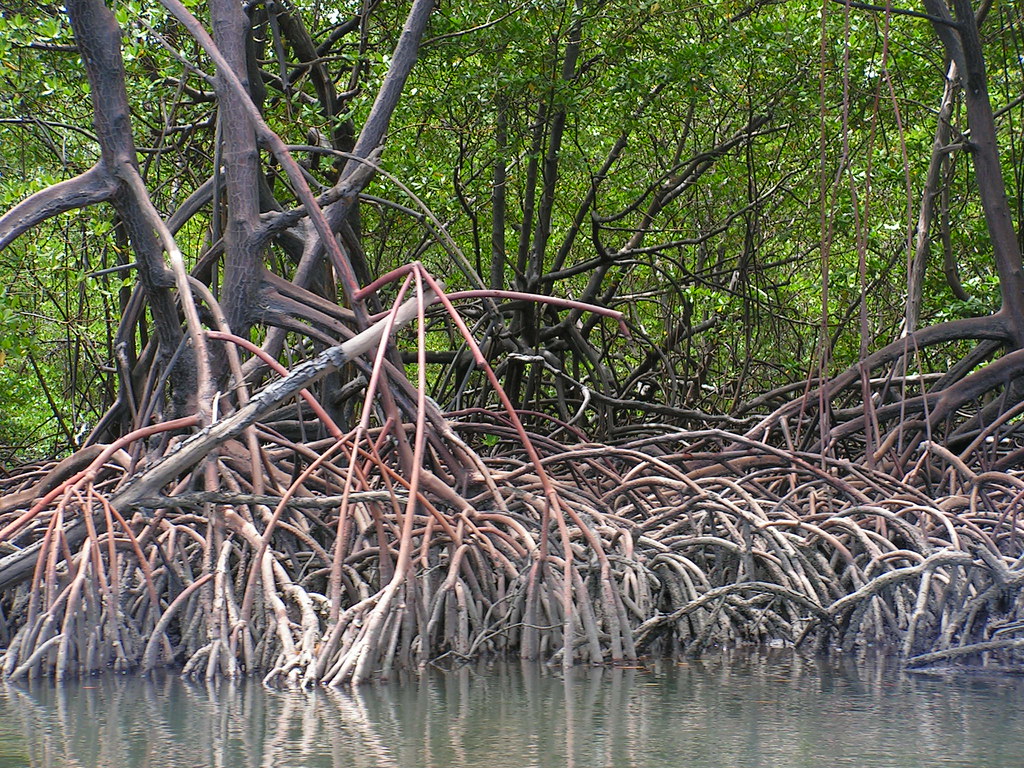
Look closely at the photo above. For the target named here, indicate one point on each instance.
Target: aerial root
(643, 554)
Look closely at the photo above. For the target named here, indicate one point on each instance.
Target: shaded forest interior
(392, 335)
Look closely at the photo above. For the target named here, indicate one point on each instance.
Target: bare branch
(94, 186)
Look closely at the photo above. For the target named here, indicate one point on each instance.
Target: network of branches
(389, 335)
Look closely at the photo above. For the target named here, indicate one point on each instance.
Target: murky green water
(733, 712)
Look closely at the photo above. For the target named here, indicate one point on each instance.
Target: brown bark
(242, 260)
(963, 45)
(99, 42)
(929, 200)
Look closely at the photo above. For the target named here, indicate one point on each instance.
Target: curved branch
(199, 445)
(130, 176)
(943, 403)
(991, 327)
(96, 185)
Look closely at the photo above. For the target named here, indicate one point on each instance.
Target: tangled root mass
(341, 569)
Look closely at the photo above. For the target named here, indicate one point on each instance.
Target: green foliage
(847, 132)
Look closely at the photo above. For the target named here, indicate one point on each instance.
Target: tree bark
(242, 261)
(99, 43)
(963, 45)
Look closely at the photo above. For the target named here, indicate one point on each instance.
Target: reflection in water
(734, 711)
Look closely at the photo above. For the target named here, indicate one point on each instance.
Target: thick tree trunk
(99, 43)
(242, 261)
(963, 45)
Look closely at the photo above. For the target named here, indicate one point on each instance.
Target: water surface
(729, 712)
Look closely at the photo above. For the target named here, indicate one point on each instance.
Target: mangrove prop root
(401, 542)
(654, 554)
